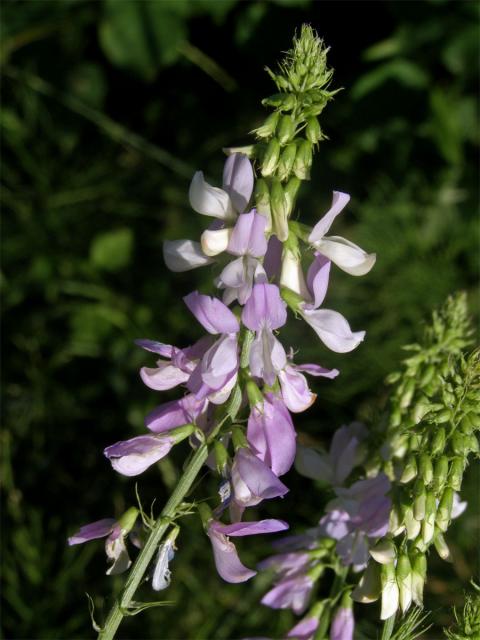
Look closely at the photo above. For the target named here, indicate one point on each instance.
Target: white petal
(347, 255)
(333, 329)
(215, 242)
(183, 255)
(339, 201)
(292, 275)
(208, 200)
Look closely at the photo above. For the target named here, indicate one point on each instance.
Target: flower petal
(267, 356)
(292, 593)
(292, 274)
(339, 201)
(317, 370)
(265, 307)
(220, 362)
(295, 391)
(183, 255)
(92, 531)
(248, 235)
(343, 624)
(132, 457)
(215, 241)
(333, 329)
(253, 481)
(226, 558)
(305, 629)
(212, 314)
(164, 350)
(346, 255)
(208, 200)
(317, 279)
(238, 180)
(165, 376)
(250, 528)
(175, 413)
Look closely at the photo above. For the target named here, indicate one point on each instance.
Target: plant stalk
(388, 627)
(144, 558)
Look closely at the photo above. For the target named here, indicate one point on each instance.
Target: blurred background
(108, 109)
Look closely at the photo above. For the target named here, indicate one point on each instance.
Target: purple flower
(176, 413)
(359, 513)
(290, 593)
(304, 630)
(225, 554)
(335, 466)
(295, 390)
(343, 624)
(132, 457)
(264, 312)
(286, 565)
(271, 434)
(253, 481)
(114, 545)
(344, 254)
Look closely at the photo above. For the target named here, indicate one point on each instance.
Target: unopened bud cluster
(288, 137)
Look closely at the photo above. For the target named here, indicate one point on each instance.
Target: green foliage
(467, 623)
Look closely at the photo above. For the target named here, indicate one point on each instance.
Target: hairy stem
(141, 564)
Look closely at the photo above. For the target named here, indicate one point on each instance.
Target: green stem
(337, 584)
(388, 627)
(143, 560)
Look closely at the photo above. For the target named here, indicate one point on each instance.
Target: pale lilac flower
(161, 573)
(295, 390)
(330, 326)
(271, 434)
(346, 255)
(178, 366)
(253, 481)
(264, 312)
(223, 204)
(287, 565)
(134, 456)
(335, 466)
(305, 629)
(358, 514)
(343, 624)
(291, 593)
(225, 554)
(176, 413)
(220, 362)
(114, 545)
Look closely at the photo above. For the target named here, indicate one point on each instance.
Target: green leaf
(403, 72)
(112, 251)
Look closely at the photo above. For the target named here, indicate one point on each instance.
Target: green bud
(438, 441)
(279, 209)
(369, 586)
(255, 396)
(466, 425)
(390, 591)
(313, 131)
(415, 442)
(205, 513)
(471, 442)
(128, 519)
(292, 299)
(420, 410)
(443, 416)
(180, 433)
(428, 524)
(268, 128)
(248, 338)
(396, 417)
(440, 473)
(419, 503)
(221, 457)
(303, 160)
(238, 438)
(419, 574)
(291, 190)
(412, 525)
(442, 547)
(404, 580)
(234, 402)
(282, 101)
(287, 158)
(410, 469)
(407, 393)
(384, 551)
(444, 510)
(458, 443)
(395, 526)
(270, 158)
(262, 200)
(425, 468)
(286, 129)
(455, 475)
(427, 376)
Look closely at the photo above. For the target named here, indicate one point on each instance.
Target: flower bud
(425, 468)
(440, 473)
(303, 160)
(427, 376)
(291, 190)
(438, 441)
(396, 525)
(444, 510)
(390, 591)
(420, 410)
(466, 425)
(384, 551)
(292, 274)
(442, 547)
(455, 474)
(414, 442)
(268, 128)
(287, 158)
(419, 574)
(238, 438)
(270, 158)
(407, 393)
(410, 469)
(313, 131)
(279, 209)
(255, 396)
(369, 586)
(286, 129)
(445, 415)
(215, 241)
(205, 513)
(262, 200)
(428, 524)
(128, 519)
(283, 101)
(419, 503)
(412, 525)
(471, 443)
(404, 580)
(458, 443)
(221, 457)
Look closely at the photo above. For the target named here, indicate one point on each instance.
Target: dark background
(108, 109)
